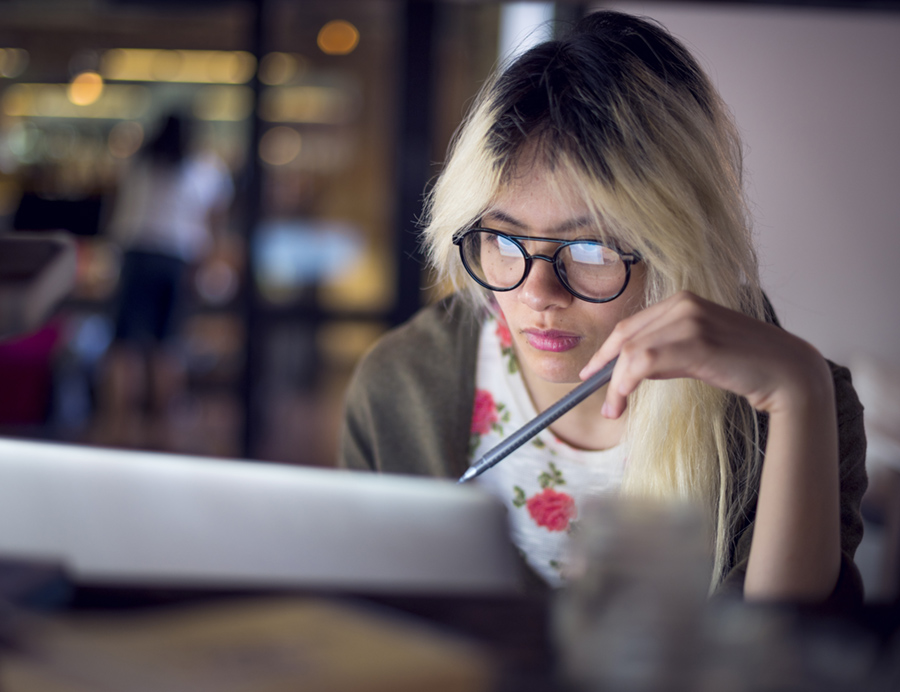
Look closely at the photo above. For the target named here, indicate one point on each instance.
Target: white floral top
(544, 482)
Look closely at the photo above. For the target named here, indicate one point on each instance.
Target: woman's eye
(507, 246)
(587, 253)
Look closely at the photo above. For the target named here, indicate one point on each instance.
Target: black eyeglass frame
(628, 259)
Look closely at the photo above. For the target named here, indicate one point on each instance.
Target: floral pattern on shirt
(487, 416)
(543, 482)
(551, 509)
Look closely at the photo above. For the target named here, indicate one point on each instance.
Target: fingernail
(606, 410)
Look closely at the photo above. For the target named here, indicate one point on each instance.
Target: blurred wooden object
(247, 645)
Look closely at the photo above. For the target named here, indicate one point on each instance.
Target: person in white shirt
(168, 207)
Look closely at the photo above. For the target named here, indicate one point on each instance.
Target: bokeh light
(119, 102)
(338, 37)
(165, 65)
(224, 103)
(192, 66)
(85, 88)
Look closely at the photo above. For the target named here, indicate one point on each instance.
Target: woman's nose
(542, 288)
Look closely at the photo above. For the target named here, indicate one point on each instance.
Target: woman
(170, 206)
(592, 208)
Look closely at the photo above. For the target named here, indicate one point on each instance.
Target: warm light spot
(16, 101)
(165, 65)
(245, 67)
(125, 138)
(191, 66)
(114, 64)
(237, 67)
(85, 88)
(224, 103)
(52, 101)
(338, 37)
(280, 145)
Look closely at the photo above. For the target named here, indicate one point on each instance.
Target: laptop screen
(151, 519)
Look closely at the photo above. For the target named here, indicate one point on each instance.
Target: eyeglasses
(588, 269)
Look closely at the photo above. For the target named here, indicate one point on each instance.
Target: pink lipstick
(551, 340)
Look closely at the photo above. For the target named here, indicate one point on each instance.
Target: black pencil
(539, 422)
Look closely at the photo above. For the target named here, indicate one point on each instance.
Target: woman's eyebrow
(569, 225)
(502, 217)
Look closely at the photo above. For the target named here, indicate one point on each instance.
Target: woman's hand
(687, 336)
(795, 552)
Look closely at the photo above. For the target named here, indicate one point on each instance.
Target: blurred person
(592, 208)
(170, 207)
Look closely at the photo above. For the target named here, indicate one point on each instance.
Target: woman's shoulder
(408, 405)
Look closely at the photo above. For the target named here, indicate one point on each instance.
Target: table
(496, 643)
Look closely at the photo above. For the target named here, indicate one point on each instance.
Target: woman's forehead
(544, 199)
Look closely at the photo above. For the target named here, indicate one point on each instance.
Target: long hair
(621, 114)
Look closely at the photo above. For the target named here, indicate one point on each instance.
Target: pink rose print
(484, 414)
(552, 510)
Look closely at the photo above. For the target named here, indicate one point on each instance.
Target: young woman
(592, 208)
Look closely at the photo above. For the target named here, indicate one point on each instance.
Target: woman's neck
(583, 427)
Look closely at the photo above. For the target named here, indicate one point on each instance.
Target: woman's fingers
(686, 336)
(623, 331)
(662, 349)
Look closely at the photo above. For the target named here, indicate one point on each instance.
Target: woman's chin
(561, 371)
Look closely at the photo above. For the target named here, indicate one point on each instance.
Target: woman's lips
(551, 340)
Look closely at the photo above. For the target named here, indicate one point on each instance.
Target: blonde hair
(620, 114)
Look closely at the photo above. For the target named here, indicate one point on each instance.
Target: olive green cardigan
(409, 411)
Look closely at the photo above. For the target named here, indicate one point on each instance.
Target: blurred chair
(26, 371)
(36, 272)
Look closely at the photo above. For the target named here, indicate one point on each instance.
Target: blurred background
(330, 119)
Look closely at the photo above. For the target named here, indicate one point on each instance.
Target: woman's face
(554, 333)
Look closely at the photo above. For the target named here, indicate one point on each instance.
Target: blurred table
(66, 635)
(397, 642)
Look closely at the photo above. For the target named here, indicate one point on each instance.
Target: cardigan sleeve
(409, 404)
(853, 481)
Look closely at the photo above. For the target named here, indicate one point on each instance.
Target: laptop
(129, 518)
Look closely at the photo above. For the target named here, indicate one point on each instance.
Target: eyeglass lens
(585, 267)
